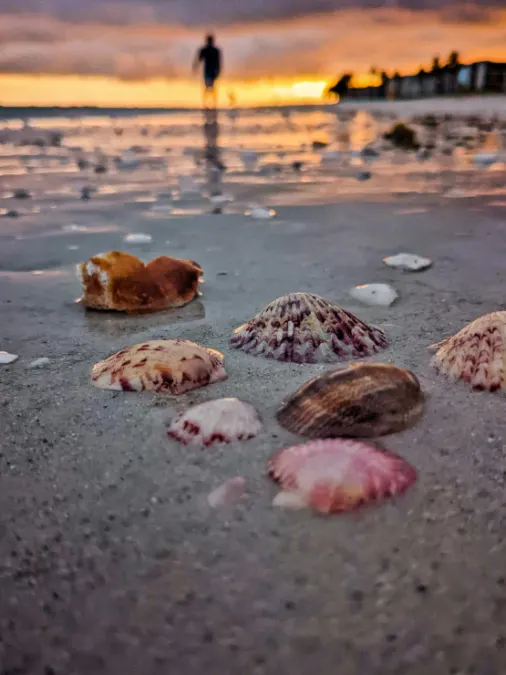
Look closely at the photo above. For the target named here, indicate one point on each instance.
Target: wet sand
(111, 560)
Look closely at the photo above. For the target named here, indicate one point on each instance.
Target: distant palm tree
(453, 60)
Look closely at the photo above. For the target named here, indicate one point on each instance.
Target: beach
(111, 560)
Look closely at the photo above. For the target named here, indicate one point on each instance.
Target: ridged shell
(362, 399)
(305, 328)
(120, 281)
(337, 475)
(168, 366)
(476, 354)
(221, 421)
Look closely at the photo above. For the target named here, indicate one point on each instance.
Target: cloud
(223, 12)
(61, 41)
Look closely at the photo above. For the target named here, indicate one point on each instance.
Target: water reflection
(212, 153)
(115, 324)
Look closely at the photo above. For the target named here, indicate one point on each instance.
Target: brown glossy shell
(120, 281)
(306, 328)
(360, 400)
(476, 354)
(168, 366)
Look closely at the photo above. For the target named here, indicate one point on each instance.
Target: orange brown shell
(167, 366)
(120, 281)
(359, 400)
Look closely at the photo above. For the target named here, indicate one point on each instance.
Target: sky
(139, 52)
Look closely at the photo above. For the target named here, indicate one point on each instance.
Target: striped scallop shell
(305, 328)
(362, 399)
(167, 366)
(337, 475)
(221, 421)
(476, 354)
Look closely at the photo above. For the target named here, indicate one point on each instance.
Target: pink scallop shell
(337, 475)
(168, 366)
(221, 421)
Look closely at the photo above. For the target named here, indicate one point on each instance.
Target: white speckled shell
(221, 421)
(305, 328)
(168, 366)
(476, 354)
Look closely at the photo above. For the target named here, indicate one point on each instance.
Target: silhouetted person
(210, 56)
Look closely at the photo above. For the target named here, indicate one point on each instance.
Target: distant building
(481, 77)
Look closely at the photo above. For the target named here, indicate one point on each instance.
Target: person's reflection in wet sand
(212, 155)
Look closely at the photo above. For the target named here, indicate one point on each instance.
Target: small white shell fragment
(381, 295)
(220, 199)
(228, 493)
(289, 500)
(408, 261)
(6, 358)
(75, 228)
(73, 248)
(259, 213)
(137, 238)
(39, 363)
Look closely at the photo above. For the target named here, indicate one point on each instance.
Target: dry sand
(111, 560)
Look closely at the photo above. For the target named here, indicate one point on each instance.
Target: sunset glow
(55, 58)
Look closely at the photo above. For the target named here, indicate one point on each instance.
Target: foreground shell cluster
(120, 281)
(476, 354)
(168, 366)
(305, 328)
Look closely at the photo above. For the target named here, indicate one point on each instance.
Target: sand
(112, 561)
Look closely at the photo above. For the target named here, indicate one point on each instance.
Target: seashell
(218, 200)
(289, 500)
(73, 227)
(381, 295)
(227, 494)
(259, 213)
(178, 279)
(121, 282)
(362, 399)
(476, 354)
(137, 238)
(221, 421)
(305, 328)
(408, 261)
(167, 366)
(338, 475)
(6, 358)
(42, 362)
